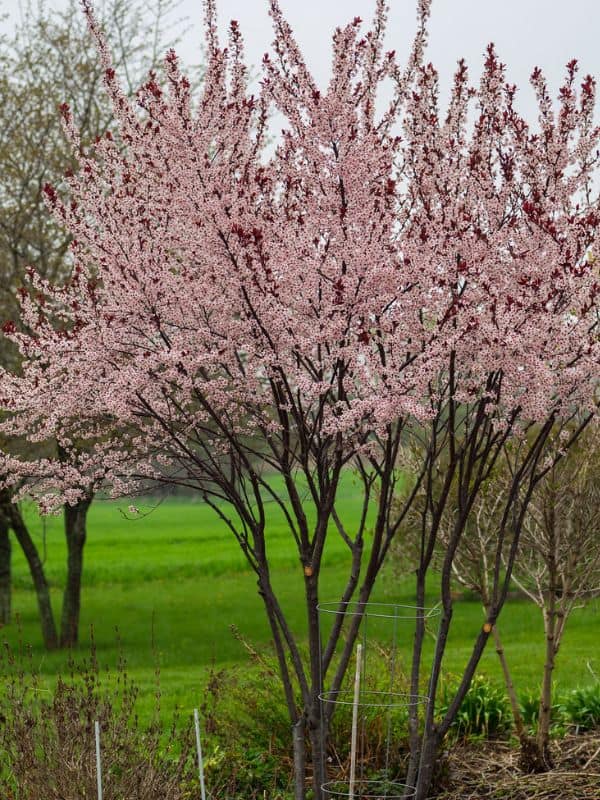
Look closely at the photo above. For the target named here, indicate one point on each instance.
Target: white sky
(527, 33)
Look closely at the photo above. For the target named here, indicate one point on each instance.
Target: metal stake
(199, 749)
(355, 722)
(98, 760)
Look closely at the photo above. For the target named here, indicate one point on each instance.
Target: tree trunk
(5, 570)
(75, 533)
(298, 718)
(318, 743)
(427, 764)
(510, 687)
(531, 759)
(299, 745)
(414, 709)
(543, 734)
(38, 576)
(317, 727)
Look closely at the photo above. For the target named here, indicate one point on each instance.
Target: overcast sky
(528, 33)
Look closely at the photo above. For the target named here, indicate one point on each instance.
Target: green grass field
(173, 581)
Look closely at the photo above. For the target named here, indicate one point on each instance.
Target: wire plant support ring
(369, 790)
(378, 696)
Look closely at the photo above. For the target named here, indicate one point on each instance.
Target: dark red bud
(50, 193)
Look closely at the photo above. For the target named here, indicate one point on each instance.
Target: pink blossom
(222, 292)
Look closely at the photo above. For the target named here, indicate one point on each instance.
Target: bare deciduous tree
(557, 565)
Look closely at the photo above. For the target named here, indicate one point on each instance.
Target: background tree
(557, 564)
(48, 60)
(233, 314)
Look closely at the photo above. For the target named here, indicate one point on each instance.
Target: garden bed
(490, 771)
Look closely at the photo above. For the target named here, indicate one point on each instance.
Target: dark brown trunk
(427, 765)
(36, 568)
(5, 570)
(299, 745)
(414, 709)
(297, 717)
(318, 736)
(532, 759)
(316, 723)
(75, 533)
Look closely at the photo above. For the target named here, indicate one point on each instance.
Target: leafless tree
(557, 565)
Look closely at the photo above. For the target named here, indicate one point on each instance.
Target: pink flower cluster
(224, 291)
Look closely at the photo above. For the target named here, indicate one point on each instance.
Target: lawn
(173, 582)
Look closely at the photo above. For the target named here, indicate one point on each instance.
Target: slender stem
(199, 751)
(355, 705)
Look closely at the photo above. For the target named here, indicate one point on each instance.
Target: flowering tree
(506, 226)
(234, 313)
(49, 59)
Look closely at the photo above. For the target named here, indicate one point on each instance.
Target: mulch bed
(490, 771)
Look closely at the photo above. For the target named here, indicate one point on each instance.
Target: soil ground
(490, 771)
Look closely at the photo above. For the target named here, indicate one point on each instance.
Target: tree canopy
(234, 310)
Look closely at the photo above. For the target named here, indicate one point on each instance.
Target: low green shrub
(485, 711)
(249, 736)
(581, 707)
(247, 733)
(529, 705)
